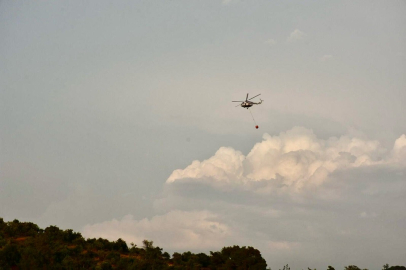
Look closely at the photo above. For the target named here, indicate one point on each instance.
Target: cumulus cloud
(224, 166)
(178, 230)
(399, 150)
(296, 158)
(296, 35)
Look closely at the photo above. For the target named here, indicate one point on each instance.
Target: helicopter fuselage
(248, 104)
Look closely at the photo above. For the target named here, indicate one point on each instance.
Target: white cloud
(296, 35)
(224, 166)
(326, 57)
(178, 230)
(399, 150)
(270, 42)
(296, 158)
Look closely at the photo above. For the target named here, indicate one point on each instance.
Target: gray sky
(116, 121)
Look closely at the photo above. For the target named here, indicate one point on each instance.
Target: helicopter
(247, 103)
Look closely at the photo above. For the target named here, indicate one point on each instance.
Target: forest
(23, 245)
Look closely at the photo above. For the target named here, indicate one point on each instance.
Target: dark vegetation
(23, 245)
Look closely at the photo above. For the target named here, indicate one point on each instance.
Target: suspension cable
(252, 116)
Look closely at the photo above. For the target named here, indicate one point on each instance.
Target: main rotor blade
(254, 97)
(246, 97)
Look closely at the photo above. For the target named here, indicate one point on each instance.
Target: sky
(116, 121)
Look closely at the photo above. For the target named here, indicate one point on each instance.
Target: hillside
(23, 245)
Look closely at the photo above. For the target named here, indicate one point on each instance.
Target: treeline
(23, 245)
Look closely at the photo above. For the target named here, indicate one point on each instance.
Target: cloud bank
(296, 159)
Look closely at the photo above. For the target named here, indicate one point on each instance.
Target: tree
(3, 241)
(203, 259)
(166, 256)
(121, 246)
(153, 256)
(106, 266)
(9, 256)
(236, 257)
(397, 267)
(286, 267)
(352, 267)
(148, 244)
